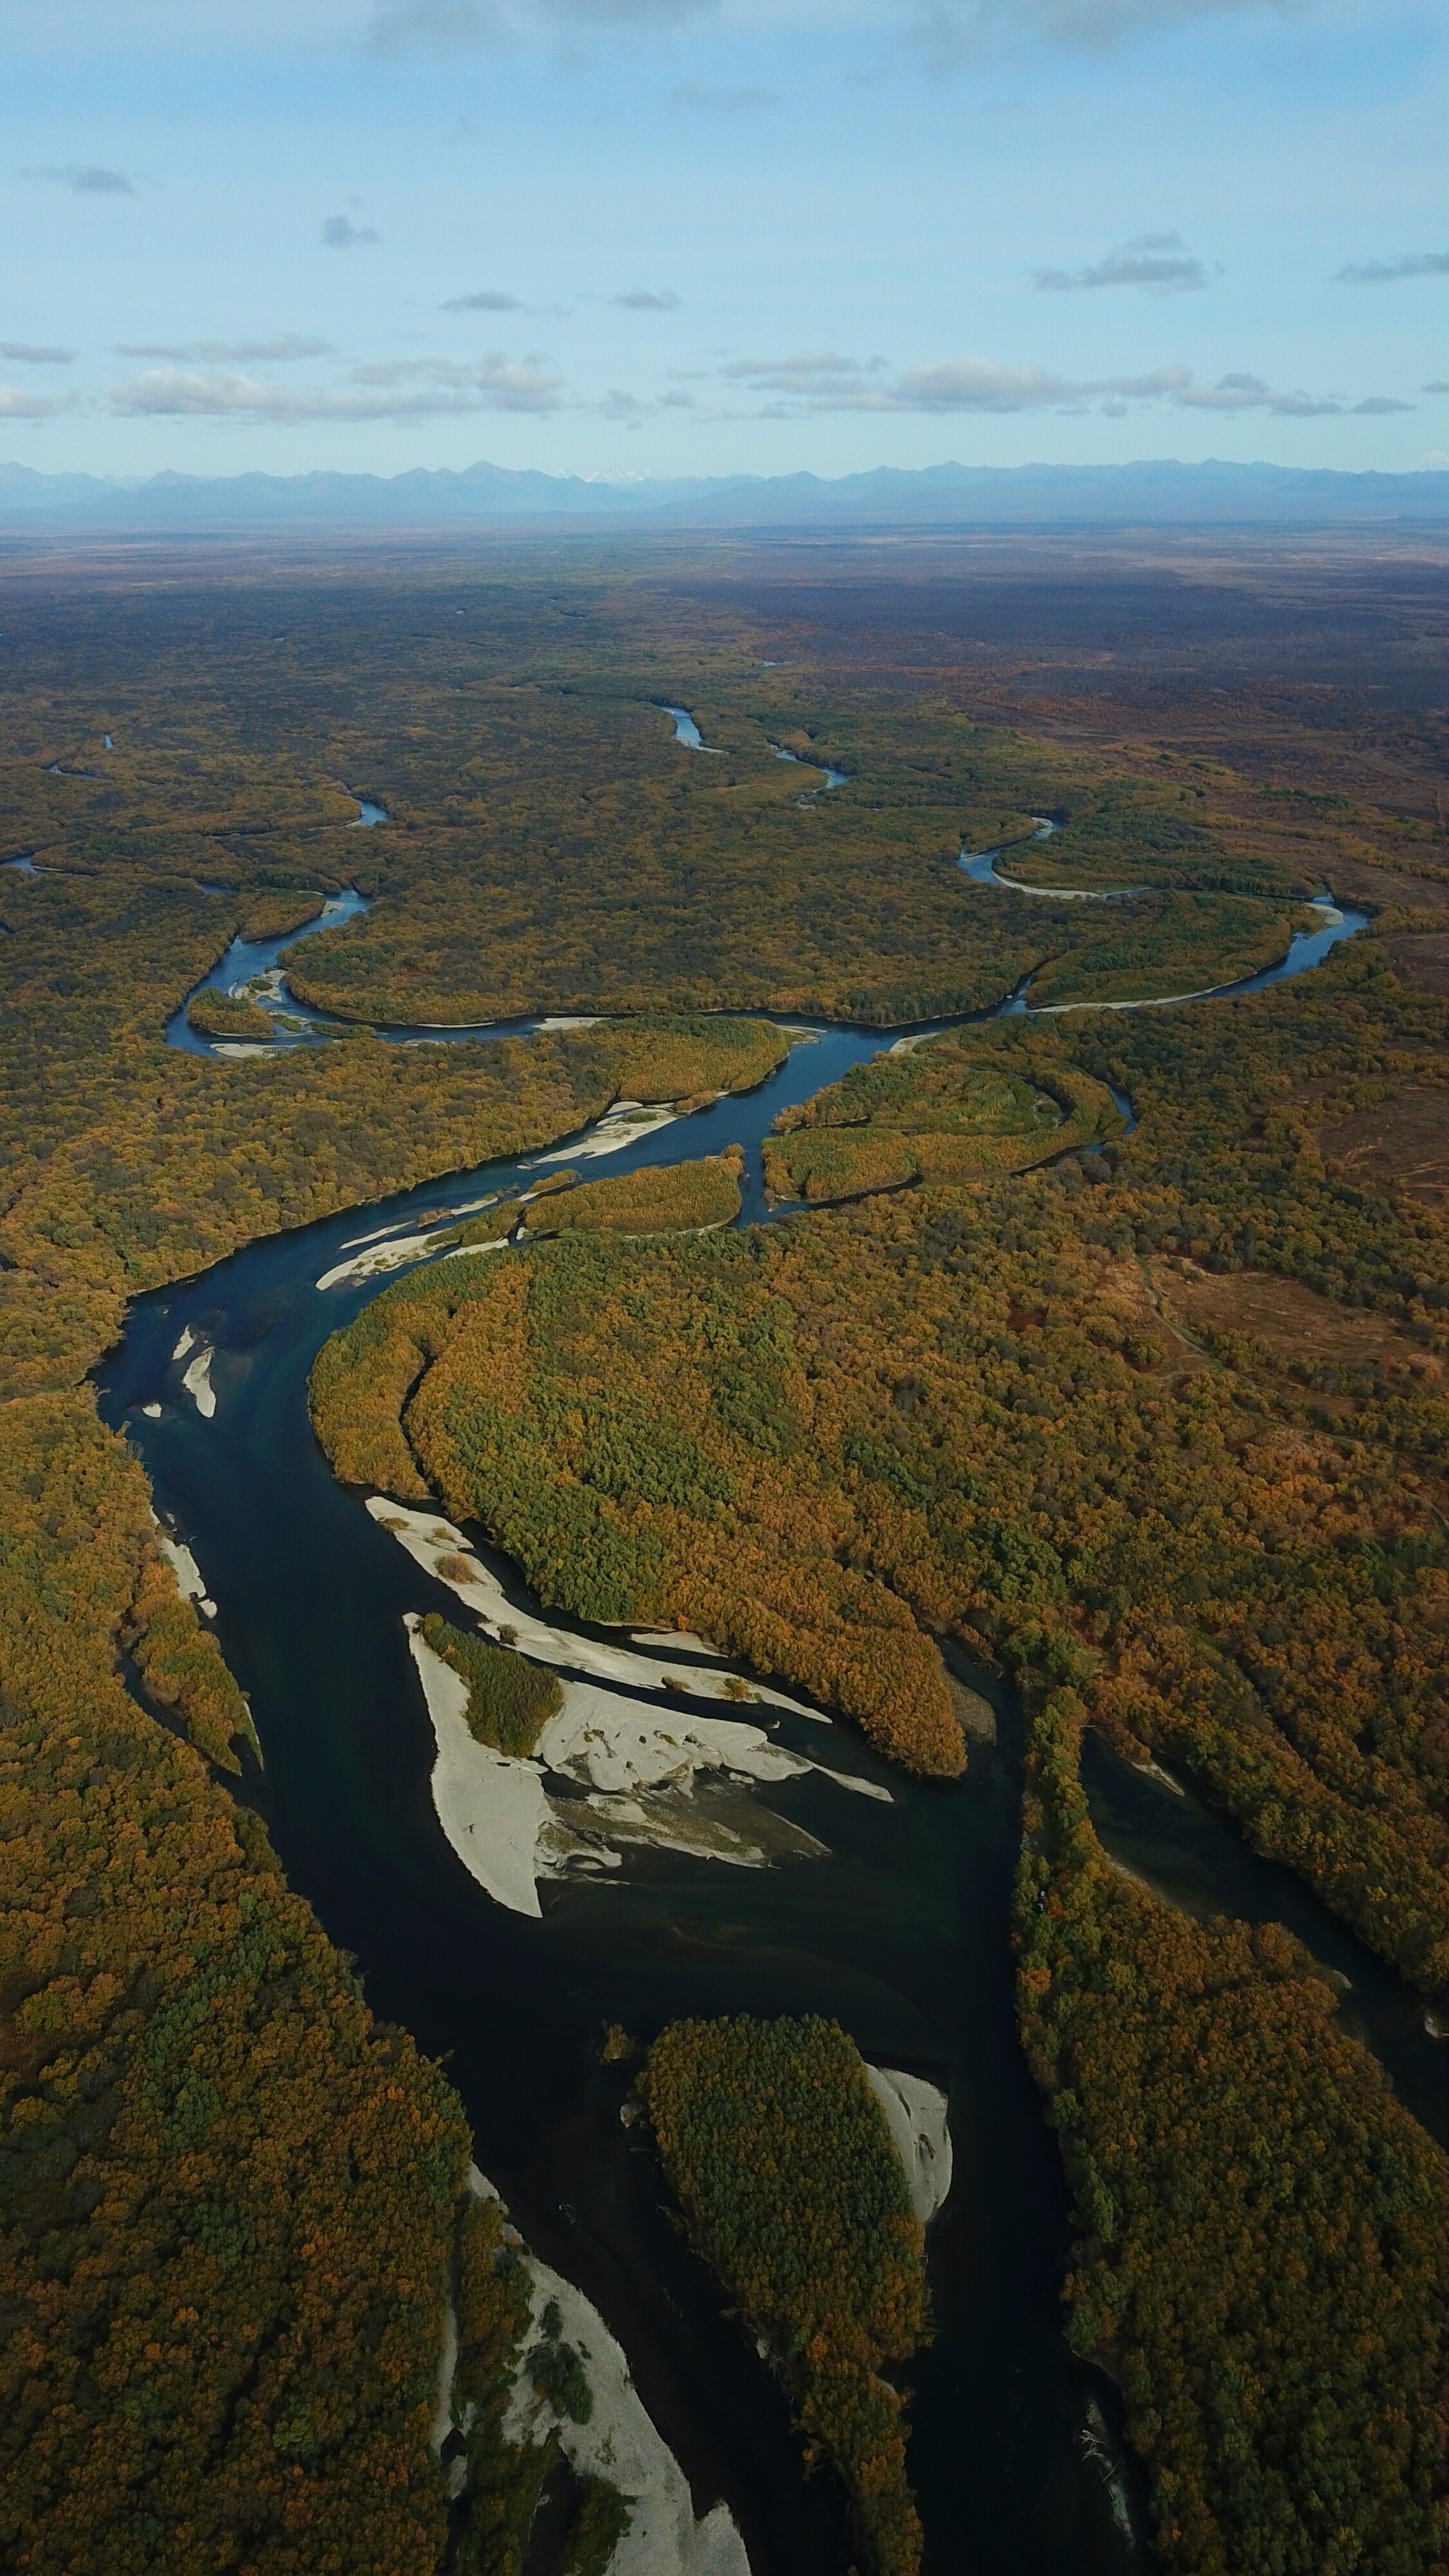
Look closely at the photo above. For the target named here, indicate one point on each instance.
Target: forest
(229, 2192)
(1150, 1421)
(969, 1412)
(792, 2192)
(948, 1112)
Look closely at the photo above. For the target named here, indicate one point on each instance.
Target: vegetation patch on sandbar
(677, 1199)
(792, 2191)
(510, 1700)
(229, 1015)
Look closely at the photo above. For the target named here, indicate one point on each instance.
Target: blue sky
(710, 236)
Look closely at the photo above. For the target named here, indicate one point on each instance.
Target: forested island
(1089, 1358)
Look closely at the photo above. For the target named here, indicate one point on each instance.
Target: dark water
(901, 1933)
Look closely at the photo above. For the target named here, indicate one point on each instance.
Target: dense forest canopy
(1151, 1421)
(976, 1412)
(794, 2194)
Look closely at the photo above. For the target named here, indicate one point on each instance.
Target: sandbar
(620, 2443)
(429, 1539)
(382, 1257)
(916, 2115)
(622, 1125)
(616, 1743)
(492, 1810)
(197, 1381)
(183, 1565)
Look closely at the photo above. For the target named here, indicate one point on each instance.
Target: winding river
(898, 1925)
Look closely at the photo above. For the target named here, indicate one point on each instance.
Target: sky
(689, 237)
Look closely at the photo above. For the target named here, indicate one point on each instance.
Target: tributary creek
(900, 1931)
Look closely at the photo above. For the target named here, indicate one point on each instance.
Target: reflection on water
(687, 732)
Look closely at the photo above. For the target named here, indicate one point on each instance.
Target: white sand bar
(492, 1810)
(619, 1744)
(673, 1637)
(197, 1381)
(185, 1568)
(622, 1125)
(620, 2443)
(429, 1539)
(382, 1257)
(186, 1343)
(916, 2114)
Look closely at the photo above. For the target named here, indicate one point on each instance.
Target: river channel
(898, 1927)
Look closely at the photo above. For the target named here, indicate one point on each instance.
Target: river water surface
(900, 1931)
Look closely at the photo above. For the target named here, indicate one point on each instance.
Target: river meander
(900, 1929)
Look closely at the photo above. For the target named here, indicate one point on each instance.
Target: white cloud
(1387, 272)
(404, 389)
(647, 299)
(489, 299)
(1159, 261)
(429, 26)
(825, 381)
(16, 405)
(283, 347)
(723, 102)
(821, 378)
(464, 26)
(29, 353)
(950, 33)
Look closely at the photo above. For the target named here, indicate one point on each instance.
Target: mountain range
(1153, 493)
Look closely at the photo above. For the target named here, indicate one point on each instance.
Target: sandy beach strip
(621, 2444)
(916, 2116)
(492, 1810)
(429, 1539)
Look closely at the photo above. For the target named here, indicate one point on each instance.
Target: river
(899, 1929)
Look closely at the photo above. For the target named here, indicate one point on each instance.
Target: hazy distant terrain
(1151, 494)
